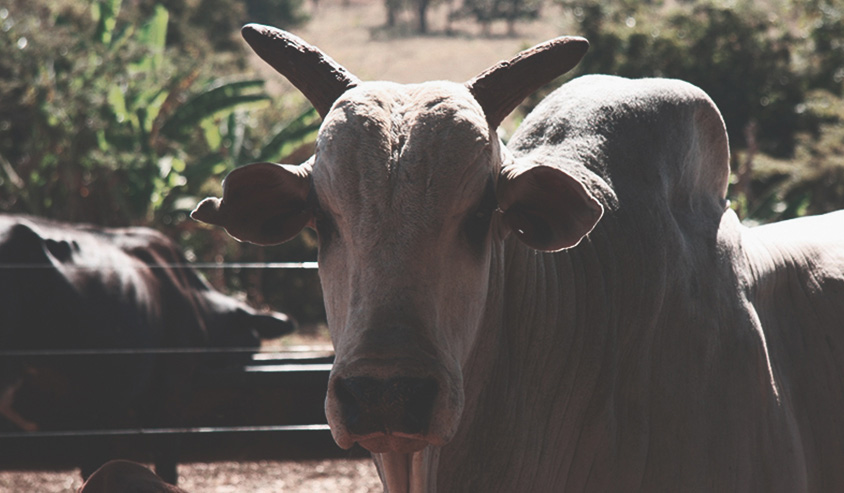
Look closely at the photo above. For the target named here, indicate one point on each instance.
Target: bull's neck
(559, 386)
(546, 363)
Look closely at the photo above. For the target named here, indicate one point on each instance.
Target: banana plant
(109, 124)
(231, 145)
(163, 121)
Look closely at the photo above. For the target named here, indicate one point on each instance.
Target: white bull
(489, 339)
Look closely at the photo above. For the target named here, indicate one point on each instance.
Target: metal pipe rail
(268, 407)
(271, 409)
(259, 354)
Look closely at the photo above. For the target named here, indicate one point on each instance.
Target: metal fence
(269, 407)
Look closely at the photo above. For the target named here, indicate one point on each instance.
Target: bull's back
(799, 295)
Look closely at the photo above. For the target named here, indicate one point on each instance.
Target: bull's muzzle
(393, 412)
(385, 410)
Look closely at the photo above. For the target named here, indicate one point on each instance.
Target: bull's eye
(325, 226)
(477, 222)
(476, 225)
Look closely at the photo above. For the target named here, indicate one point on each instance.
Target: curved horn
(315, 74)
(502, 87)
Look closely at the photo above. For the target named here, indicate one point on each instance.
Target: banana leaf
(291, 135)
(215, 102)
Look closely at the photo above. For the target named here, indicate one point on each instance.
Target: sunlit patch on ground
(325, 476)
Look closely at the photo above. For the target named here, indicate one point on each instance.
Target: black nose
(399, 404)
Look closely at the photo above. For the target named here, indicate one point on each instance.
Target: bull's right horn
(315, 74)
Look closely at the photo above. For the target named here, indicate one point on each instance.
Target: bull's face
(404, 179)
(411, 194)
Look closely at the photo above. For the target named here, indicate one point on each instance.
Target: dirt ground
(325, 476)
(354, 35)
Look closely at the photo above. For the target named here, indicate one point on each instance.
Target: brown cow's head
(411, 193)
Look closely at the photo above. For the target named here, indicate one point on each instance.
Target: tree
(487, 11)
(420, 7)
(205, 26)
(422, 14)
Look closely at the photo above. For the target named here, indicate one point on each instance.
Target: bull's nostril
(400, 404)
(351, 393)
(417, 397)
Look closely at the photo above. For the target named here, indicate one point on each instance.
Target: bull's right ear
(263, 203)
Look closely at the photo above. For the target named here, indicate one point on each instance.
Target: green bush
(487, 11)
(104, 123)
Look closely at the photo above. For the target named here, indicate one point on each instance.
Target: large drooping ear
(315, 74)
(263, 203)
(502, 87)
(545, 207)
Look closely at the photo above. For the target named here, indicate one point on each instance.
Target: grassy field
(354, 35)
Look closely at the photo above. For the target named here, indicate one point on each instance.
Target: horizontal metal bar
(298, 354)
(197, 265)
(298, 351)
(289, 367)
(160, 431)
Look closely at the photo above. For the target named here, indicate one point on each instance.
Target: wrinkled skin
(489, 339)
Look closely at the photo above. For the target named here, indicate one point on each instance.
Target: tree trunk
(423, 16)
(392, 8)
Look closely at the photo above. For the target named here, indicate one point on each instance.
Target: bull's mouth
(387, 442)
(398, 443)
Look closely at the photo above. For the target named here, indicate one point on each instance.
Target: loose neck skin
(602, 360)
(539, 370)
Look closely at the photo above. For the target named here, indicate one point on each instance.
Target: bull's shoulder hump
(663, 137)
(603, 104)
(611, 90)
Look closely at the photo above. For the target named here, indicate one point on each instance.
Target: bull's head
(412, 195)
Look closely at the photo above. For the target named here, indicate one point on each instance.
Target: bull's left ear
(545, 207)
(263, 203)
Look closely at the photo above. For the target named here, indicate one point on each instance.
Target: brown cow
(76, 287)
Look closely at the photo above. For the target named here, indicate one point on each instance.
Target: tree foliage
(211, 26)
(107, 126)
(487, 11)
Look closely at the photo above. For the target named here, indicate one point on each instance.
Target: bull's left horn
(315, 74)
(504, 86)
